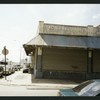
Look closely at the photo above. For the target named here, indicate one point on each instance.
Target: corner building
(65, 52)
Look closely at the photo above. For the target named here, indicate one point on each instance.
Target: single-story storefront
(64, 56)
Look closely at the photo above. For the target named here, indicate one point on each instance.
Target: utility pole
(26, 62)
(19, 51)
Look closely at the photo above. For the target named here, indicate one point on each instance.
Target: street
(19, 84)
(23, 91)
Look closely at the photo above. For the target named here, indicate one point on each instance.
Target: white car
(87, 88)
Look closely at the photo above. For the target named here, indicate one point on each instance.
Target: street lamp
(20, 50)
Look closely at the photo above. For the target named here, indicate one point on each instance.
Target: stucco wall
(45, 28)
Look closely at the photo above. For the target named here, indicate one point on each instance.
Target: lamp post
(20, 51)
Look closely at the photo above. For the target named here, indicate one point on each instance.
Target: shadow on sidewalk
(55, 81)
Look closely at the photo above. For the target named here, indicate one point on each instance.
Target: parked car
(8, 70)
(1, 71)
(15, 67)
(25, 70)
(87, 88)
(18, 66)
(12, 69)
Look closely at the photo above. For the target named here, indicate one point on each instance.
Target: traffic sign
(5, 51)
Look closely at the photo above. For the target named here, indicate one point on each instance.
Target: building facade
(65, 51)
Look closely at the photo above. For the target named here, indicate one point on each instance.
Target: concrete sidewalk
(24, 79)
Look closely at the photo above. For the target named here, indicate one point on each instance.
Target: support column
(39, 63)
(90, 64)
(32, 67)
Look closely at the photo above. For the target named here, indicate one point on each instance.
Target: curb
(39, 86)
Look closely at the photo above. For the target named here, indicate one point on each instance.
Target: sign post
(5, 52)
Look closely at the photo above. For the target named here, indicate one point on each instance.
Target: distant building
(65, 51)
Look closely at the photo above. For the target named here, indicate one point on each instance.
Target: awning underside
(65, 41)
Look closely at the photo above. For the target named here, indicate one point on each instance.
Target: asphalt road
(23, 91)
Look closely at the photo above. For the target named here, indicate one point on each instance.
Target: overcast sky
(20, 21)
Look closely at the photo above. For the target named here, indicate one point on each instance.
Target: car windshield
(82, 85)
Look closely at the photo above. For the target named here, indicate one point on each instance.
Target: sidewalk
(24, 79)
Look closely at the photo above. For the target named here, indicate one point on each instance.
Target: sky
(19, 22)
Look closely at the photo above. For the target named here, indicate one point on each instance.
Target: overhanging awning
(65, 41)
